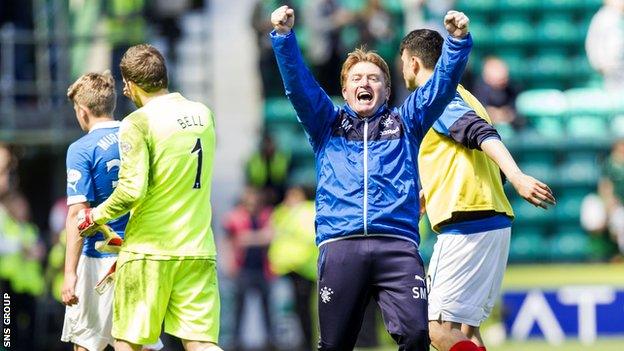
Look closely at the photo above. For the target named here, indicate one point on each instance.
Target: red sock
(465, 345)
(481, 348)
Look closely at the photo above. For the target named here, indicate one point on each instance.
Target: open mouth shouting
(364, 96)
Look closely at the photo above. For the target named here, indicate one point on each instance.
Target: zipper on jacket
(365, 207)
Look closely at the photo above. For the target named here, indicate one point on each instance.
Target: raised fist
(456, 23)
(283, 19)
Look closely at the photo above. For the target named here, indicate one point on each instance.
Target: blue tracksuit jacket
(366, 168)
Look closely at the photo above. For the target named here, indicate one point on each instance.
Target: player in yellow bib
(166, 270)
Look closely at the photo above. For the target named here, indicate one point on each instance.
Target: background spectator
(268, 169)
(497, 93)
(293, 253)
(248, 234)
(324, 21)
(605, 43)
(606, 212)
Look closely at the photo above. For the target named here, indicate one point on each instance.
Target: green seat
(617, 102)
(549, 66)
(617, 126)
(579, 172)
(293, 140)
(549, 126)
(586, 127)
(527, 213)
(519, 5)
(541, 103)
(514, 31)
(559, 29)
(506, 131)
(516, 62)
(568, 208)
(589, 101)
(569, 245)
(279, 109)
(529, 246)
(476, 5)
(563, 4)
(543, 171)
(482, 34)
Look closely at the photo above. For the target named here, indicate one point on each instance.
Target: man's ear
(415, 64)
(344, 93)
(83, 112)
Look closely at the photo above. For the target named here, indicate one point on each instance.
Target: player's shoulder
(81, 146)
(458, 106)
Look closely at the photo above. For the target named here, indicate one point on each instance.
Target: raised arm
(427, 103)
(314, 108)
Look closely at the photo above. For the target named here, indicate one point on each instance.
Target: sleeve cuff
(76, 199)
(459, 42)
(275, 34)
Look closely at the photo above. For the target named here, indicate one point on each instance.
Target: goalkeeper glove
(86, 225)
(111, 243)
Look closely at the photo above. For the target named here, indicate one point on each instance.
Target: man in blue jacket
(367, 195)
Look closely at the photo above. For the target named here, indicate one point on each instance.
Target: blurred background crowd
(550, 74)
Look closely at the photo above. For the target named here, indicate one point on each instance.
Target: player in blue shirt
(92, 167)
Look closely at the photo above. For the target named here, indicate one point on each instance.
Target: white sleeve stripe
(76, 199)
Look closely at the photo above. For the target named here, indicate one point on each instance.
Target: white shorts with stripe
(89, 322)
(465, 275)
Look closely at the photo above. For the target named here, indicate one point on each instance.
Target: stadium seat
(568, 206)
(589, 101)
(469, 6)
(580, 172)
(279, 109)
(558, 29)
(482, 34)
(543, 171)
(514, 31)
(528, 245)
(506, 131)
(549, 127)
(527, 213)
(549, 66)
(617, 126)
(542, 102)
(569, 245)
(587, 127)
(563, 5)
(519, 5)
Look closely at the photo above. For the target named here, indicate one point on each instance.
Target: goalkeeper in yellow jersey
(166, 270)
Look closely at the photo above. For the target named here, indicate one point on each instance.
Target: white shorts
(89, 322)
(465, 275)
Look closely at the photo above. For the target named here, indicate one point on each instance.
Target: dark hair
(144, 66)
(425, 44)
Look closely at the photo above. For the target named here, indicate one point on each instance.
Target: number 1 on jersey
(200, 156)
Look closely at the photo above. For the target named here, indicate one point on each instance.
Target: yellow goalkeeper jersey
(167, 151)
